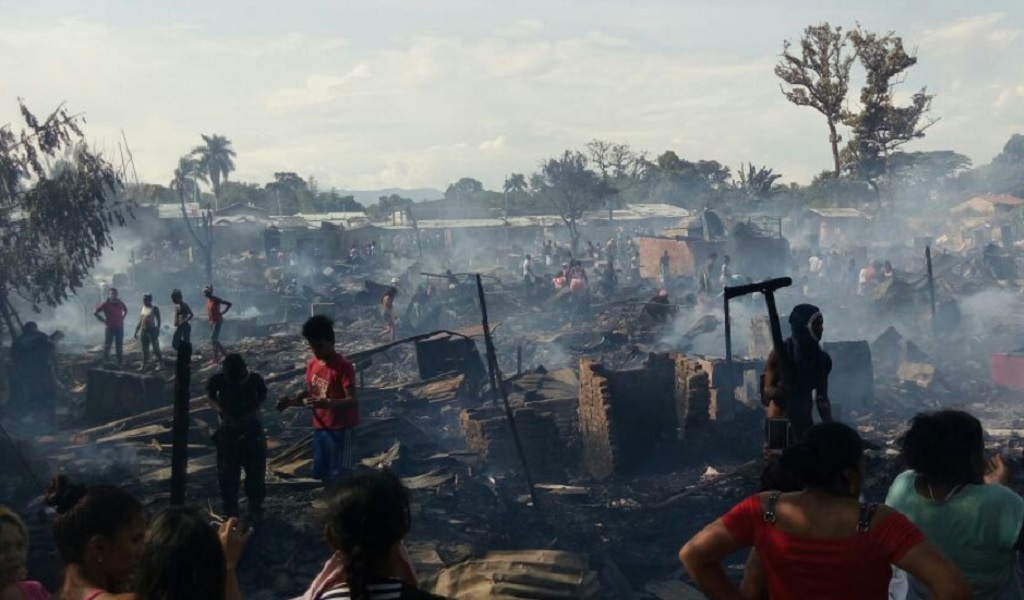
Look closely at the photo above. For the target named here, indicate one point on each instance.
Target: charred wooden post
(492, 366)
(179, 429)
(931, 278)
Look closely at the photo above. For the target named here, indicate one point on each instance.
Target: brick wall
(625, 415)
(599, 446)
(488, 434)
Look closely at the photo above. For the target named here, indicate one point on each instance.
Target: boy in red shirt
(331, 394)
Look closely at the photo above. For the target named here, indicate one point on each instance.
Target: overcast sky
(386, 93)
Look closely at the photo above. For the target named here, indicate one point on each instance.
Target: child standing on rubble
(331, 394)
(182, 321)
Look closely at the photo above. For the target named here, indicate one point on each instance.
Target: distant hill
(368, 197)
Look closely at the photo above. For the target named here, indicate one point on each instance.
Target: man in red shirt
(331, 394)
(216, 316)
(113, 312)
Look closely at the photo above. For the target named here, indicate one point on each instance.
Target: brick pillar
(596, 428)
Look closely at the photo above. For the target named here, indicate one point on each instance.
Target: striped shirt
(385, 590)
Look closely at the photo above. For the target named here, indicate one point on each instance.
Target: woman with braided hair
(368, 520)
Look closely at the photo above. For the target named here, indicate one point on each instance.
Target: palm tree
(187, 177)
(215, 159)
(515, 183)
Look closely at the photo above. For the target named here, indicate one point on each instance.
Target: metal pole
(931, 277)
(179, 431)
(492, 364)
(519, 360)
(491, 376)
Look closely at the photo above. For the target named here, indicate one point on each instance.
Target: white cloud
(374, 104)
(490, 145)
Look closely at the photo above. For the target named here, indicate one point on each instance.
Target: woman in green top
(958, 499)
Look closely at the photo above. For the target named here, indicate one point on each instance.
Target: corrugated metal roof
(838, 213)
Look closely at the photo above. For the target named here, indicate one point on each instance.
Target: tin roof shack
(490, 239)
(984, 219)
(756, 247)
(685, 255)
(837, 227)
(601, 224)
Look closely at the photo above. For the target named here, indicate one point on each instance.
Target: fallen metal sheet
(429, 480)
(533, 574)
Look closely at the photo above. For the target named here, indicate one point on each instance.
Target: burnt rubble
(634, 428)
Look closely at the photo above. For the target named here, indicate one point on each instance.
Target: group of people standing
(113, 312)
(949, 524)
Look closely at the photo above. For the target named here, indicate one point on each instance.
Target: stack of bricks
(624, 414)
(695, 401)
(597, 430)
(488, 434)
(566, 413)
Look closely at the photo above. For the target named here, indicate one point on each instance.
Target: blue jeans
(332, 454)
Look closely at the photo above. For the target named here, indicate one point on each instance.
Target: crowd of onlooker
(112, 550)
(949, 527)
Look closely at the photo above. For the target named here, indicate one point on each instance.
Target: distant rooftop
(838, 213)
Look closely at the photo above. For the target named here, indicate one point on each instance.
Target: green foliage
(387, 205)
(758, 183)
(882, 127)
(466, 188)
(571, 188)
(55, 220)
(216, 159)
(673, 180)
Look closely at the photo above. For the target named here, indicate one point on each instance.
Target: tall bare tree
(818, 76)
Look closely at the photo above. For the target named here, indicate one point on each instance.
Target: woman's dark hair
(369, 514)
(183, 558)
(84, 512)
(945, 447)
(826, 452)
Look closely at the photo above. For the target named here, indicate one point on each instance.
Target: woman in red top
(821, 543)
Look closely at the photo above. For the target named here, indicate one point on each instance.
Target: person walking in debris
(663, 268)
(182, 321)
(822, 542)
(658, 308)
(387, 310)
(704, 276)
(149, 328)
(726, 277)
(528, 275)
(331, 394)
(549, 253)
(238, 394)
(113, 312)
(215, 314)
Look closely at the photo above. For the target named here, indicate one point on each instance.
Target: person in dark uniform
(238, 395)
